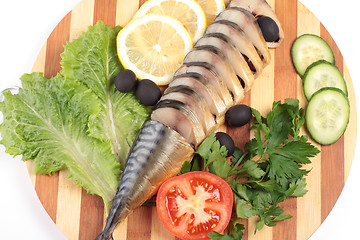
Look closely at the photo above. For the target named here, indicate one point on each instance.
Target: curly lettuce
(76, 120)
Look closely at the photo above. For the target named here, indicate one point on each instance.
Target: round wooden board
(81, 216)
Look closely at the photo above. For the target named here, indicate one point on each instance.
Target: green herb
(76, 120)
(267, 171)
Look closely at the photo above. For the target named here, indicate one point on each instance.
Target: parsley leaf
(267, 171)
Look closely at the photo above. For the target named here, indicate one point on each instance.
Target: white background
(24, 27)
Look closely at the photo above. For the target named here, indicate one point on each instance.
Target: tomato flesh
(193, 204)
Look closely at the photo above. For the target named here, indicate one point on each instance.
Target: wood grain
(285, 86)
(81, 216)
(332, 156)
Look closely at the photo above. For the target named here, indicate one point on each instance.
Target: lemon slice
(211, 8)
(153, 47)
(188, 12)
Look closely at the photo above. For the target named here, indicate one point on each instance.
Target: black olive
(269, 29)
(238, 115)
(147, 92)
(125, 81)
(227, 141)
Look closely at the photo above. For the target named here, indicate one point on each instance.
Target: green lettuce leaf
(92, 59)
(47, 121)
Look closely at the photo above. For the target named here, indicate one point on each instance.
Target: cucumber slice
(322, 74)
(327, 115)
(307, 49)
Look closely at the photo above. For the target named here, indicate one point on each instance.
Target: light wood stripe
(39, 66)
(157, 229)
(350, 135)
(85, 214)
(262, 97)
(125, 11)
(81, 18)
(309, 206)
(68, 215)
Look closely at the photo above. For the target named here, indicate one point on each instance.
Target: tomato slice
(194, 204)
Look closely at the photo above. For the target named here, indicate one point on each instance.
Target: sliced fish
(181, 118)
(209, 73)
(234, 57)
(241, 41)
(194, 101)
(212, 98)
(247, 22)
(260, 8)
(202, 54)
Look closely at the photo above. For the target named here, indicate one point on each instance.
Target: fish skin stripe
(332, 156)
(284, 79)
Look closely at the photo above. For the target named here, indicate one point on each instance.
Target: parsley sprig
(266, 172)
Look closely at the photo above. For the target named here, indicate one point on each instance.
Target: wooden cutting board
(81, 216)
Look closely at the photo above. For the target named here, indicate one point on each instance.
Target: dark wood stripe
(105, 10)
(91, 216)
(54, 46)
(327, 37)
(332, 156)
(241, 135)
(46, 188)
(141, 2)
(285, 83)
(139, 224)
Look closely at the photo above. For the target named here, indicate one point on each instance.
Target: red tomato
(194, 204)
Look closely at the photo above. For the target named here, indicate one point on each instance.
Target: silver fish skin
(157, 154)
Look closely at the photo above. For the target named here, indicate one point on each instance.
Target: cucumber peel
(322, 74)
(327, 115)
(307, 49)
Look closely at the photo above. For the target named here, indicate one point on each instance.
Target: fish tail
(104, 236)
